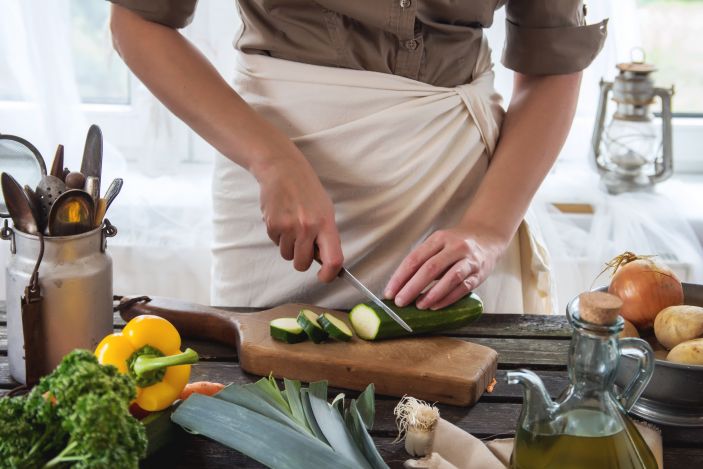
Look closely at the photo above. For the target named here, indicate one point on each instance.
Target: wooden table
(535, 342)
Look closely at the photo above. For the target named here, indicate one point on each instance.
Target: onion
(645, 288)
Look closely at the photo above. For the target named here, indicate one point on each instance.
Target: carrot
(201, 387)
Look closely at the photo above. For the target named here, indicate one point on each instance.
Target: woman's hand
(459, 258)
(298, 212)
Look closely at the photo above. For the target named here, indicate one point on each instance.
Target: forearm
(185, 81)
(535, 127)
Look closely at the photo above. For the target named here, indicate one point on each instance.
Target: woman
(369, 129)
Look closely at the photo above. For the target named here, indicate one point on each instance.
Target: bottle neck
(593, 359)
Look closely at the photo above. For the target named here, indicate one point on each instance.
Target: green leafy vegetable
(290, 429)
(78, 414)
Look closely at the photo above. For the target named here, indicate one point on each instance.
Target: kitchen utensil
(104, 203)
(75, 180)
(92, 187)
(346, 275)
(434, 368)
(92, 162)
(71, 214)
(673, 396)
(57, 165)
(48, 190)
(361, 288)
(34, 205)
(75, 278)
(18, 205)
(21, 159)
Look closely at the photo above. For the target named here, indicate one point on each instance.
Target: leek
(292, 428)
(260, 438)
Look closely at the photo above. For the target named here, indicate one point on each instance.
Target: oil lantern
(633, 151)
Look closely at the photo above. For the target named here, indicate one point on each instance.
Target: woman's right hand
(298, 212)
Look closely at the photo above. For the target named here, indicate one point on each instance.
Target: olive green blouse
(433, 41)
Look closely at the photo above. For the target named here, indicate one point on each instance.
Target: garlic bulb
(416, 422)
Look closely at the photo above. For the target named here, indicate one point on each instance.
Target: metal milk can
(75, 277)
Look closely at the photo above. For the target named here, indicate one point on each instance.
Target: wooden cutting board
(431, 368)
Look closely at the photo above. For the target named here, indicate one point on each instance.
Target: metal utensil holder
(75, 277)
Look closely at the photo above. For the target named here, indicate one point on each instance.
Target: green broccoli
(78, 416)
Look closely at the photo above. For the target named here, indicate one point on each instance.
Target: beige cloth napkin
(453, 448)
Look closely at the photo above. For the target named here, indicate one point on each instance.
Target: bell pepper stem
(145, 363)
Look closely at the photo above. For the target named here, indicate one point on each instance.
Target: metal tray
(673, 395)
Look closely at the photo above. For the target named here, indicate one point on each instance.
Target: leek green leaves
(287, 429)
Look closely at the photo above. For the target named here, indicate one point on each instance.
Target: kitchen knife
(92, 163)
(346, 275)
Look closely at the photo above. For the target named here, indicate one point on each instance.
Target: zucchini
(336, 328)
(372, 323)
(287, 330)
(308, 321)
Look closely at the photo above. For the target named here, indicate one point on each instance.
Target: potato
(688, 353)
(629, 330)
(677, 324)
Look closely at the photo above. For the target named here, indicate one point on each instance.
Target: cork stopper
(599, 307)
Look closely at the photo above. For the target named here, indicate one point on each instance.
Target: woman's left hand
(459, 258)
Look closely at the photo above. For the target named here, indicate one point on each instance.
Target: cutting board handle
(192, 320)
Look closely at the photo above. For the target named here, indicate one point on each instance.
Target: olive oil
(605, 445)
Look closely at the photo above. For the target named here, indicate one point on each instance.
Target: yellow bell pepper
(148, 348)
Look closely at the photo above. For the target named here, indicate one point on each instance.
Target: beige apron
(399, 159)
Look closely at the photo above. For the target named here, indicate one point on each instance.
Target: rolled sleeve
(172, 13)
(550, 37)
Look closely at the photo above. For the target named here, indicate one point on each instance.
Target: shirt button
(404, 3)
(411, 44)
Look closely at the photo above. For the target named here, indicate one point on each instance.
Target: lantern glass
(630, 146)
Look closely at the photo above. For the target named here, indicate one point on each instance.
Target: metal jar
(75, 277)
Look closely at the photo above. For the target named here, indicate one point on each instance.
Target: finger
(286, 244)
(458, 293)
(331, 255)
(432, 269)
(302, 257)
(449, 281)
(411, 264)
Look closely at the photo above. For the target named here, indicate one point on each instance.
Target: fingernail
(388, 293)
(400, 301)
(421, 304)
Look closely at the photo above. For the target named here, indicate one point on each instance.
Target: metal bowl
(673, 395)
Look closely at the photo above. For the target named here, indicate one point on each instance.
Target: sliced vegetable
(335, 328)
(372, 323)
(308, 321)
(287, 330)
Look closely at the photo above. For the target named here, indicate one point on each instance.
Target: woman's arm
(297, 211)
(535, 127)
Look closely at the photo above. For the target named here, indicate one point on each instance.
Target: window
(670, 35)
(100, 74)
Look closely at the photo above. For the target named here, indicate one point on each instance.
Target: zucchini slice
(336, 328)
(308, 321)
(287, 330)
(372, 323)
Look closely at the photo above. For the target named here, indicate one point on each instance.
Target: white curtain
(164, 211)
(163, 214)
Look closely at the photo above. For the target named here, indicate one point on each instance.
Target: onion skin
(645, 289)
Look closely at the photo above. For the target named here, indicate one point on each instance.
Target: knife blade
(346, 275)
(92, 162)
